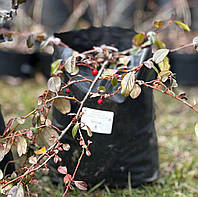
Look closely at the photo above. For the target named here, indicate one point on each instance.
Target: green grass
(178, 145)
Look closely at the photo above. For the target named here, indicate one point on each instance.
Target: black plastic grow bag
(132, 145)
(5, 166)
(185, 67)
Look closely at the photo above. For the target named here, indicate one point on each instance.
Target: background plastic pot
(185, 67)
(4, 163)
(132, 145)
(24, 65)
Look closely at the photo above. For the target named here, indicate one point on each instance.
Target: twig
(168, 93)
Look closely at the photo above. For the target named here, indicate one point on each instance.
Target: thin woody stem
(174, 96)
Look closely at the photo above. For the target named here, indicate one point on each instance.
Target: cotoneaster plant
(37, 147)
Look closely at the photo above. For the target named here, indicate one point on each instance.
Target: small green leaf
(138, 39)
(182, 25)
(114, 81)
(55, 66)
(159, 55)
(30, 41)
(75, 130)
(160, 45)
(136, 91)
(101, 89)
(127, 84)
(164, 65)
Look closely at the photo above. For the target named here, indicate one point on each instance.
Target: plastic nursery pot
(185, 67)
(131, 146)
(23, 65)
(6, 167)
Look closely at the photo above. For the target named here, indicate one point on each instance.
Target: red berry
(116, 75)
(100, 100)
(94, 72)
(67, 90)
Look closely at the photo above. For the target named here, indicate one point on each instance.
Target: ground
(178, 147)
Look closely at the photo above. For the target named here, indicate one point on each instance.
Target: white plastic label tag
(98, 121)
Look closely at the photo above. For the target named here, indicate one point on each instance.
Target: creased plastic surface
(132, 146)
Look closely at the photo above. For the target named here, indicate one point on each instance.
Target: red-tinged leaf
(33, 160)
(66, 147)
(16, 191)
(8, 126)
(158, 24)
(138, 39)
(21, 145)
(88, 153)
(35, 181)
(182, 25)
(67, 178)
(89, 142)
(81, 185)
(62, 169)
(48, 122)
(159, 55)
(40, 151)
(29, 134)
(57, 159)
